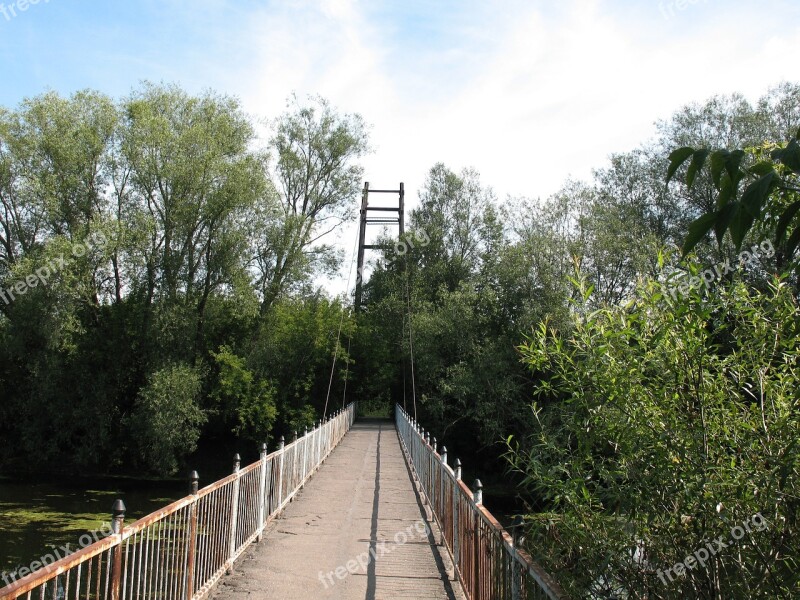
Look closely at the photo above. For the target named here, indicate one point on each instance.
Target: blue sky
(527, 92)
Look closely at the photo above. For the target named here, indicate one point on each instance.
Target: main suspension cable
(339, 333)
(346, 371)
(411, 344)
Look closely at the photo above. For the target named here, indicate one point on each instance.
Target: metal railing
(181, 551)
(486, 559)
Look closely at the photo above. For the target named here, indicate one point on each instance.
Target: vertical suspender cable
(402, 356)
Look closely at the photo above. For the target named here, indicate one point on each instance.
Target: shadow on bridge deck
(357, 530)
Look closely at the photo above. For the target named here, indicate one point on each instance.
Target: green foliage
(252, 401)
(666, 423)
(295, 351)
(769, 192)
(297, 420)
(198, 244)
(376, 407)
(745, 182)
(166, 419)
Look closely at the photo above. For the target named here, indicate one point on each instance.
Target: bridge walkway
(357, 531)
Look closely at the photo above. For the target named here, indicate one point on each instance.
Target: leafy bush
(251, 401)
(667, 422)
(166, 419)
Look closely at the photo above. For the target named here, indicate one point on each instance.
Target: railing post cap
(194, 482)
(444, 449)
(458, 462)
(477, 485)
(264, 447)
(117, 516)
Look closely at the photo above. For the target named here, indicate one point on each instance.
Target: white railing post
(262, 491)
(422, 458)
(319, 443)
(304, 441)
(281, 452)
(115, 569)
(436, 470)
(325, 438)
(477, 489)
(316, 446)
(442, 475)
(237, 461)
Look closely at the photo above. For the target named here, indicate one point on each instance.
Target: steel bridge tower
(397, 217)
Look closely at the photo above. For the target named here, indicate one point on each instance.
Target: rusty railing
(487, 561)
(181, 551)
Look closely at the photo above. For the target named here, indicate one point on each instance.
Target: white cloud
(528, 97)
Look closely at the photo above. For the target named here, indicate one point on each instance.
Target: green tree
(52, 266)
(190, 182)
(318, 180)
(455, 214)
(166, 419)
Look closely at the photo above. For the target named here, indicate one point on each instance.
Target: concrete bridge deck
(357, 531)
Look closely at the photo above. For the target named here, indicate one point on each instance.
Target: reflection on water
(37, 519)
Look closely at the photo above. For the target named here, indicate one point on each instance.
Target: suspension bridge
(351, 509)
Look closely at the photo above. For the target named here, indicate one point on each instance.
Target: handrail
(488, 563)
(180, 551)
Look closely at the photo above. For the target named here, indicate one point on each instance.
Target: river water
(38, 519)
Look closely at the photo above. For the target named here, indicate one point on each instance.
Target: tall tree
(454, 214)
(318, 180)
(193, 184)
